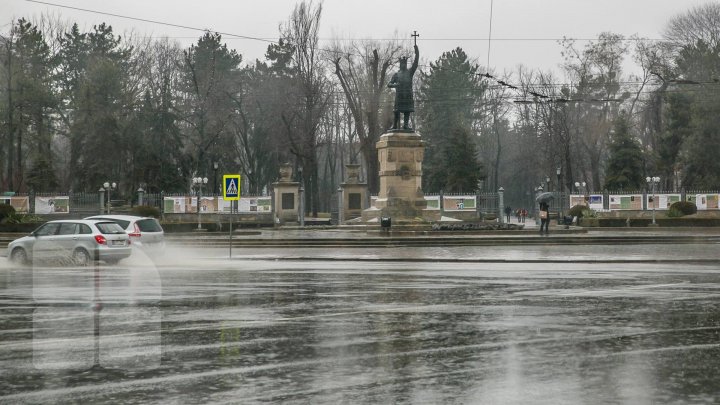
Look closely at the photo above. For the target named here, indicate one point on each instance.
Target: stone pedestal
(354, 194)
(287, 197)
(400, 197)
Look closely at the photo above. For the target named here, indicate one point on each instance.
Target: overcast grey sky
(523, 31)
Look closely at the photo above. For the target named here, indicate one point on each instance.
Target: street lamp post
(580, 186)
(107, 186)
(538, 191)
(301, 197)
(653, 181)
(561, 207)
(215, 169)
(198, 183)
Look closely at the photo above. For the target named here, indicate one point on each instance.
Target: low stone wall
(645, 222)
(477, 226)
(19, 228)
(247, 218)
(170, 222)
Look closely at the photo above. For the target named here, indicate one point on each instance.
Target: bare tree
(699, 24)
(362, 69)
(308, 99)
(592, 97)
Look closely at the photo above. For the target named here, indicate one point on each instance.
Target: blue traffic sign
(231, 187)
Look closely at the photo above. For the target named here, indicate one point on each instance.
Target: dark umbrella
(545, 197)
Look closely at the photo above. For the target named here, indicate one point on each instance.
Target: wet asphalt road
(614, 324)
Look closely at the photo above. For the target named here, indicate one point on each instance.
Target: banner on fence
(592, 201)
(21, 204)
(180, 205)
(459, 203)
(626, 202)
(187, 205)
(433, 202)
(596, 202)
(578, 200)
(52, 205)
(255, 204)
(661, 201)
(704, 201)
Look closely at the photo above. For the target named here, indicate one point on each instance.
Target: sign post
(231, 192)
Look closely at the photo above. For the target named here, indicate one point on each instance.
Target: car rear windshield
(149, 225)
(109, 228)
(123, 223)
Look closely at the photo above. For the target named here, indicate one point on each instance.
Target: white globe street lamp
(107, 188)
(653, 181)
(198, 182)
(580, 186)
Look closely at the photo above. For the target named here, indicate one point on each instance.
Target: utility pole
(11, 129)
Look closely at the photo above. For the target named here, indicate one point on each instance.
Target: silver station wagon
(81, 241)
(145, 233)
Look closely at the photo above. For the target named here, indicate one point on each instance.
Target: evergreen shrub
(6, 211)
(146, 211)
(684, 207)
(577, 211)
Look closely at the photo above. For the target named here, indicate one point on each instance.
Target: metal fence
(484, 203)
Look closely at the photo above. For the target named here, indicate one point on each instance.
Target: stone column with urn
(354, 193)
(287, 200)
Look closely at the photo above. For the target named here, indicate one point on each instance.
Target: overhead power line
(149, 21)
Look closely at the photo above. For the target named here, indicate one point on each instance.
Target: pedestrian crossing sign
(231, 187)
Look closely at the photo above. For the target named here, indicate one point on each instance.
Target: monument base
(400, 211)
(400, 154)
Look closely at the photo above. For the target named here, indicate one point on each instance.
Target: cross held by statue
(415, 35)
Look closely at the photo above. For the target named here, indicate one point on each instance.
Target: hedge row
(644, 222)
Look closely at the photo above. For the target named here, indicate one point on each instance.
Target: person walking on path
(508, 212)
(544, 220)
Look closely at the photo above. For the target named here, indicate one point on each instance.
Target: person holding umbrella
(544, 220)
(544, 199)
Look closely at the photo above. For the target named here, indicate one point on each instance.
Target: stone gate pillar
(354, 194)
(287, 197)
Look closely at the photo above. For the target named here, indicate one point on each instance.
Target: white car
(145, 233)
(78, 240)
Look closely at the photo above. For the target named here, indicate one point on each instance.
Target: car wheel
(19, 255)
(81, 257)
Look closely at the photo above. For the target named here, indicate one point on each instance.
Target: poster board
(704, 201)
(661, 201)
(21, 204)
(255, 204)
(596, 202)
(210, 205)
(459, 203)
(433, 202)
(52, 205)
(179, 205)
(626, 202)
(592, 201)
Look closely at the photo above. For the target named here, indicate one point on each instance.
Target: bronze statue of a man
(402, 83)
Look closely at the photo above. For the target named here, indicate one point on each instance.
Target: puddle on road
(332, 332)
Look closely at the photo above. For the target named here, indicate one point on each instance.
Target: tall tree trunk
(11, 128)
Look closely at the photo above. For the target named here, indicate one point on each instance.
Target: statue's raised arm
(414, 66)
(402, 83)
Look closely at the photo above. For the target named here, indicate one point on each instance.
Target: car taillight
(100, 240)
(136, 232)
